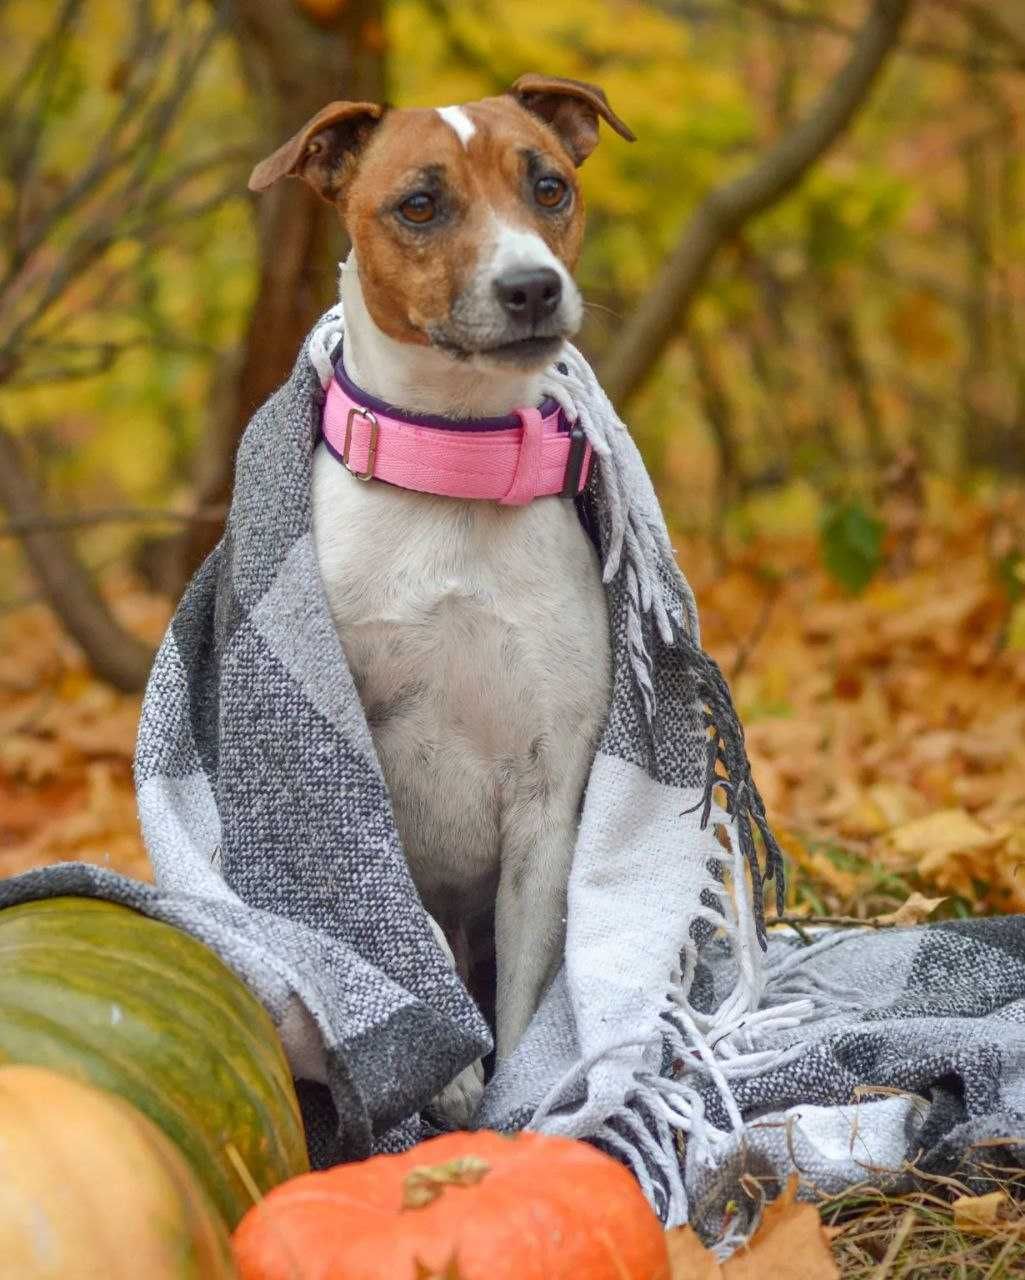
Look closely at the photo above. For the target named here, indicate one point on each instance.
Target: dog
(476, 630)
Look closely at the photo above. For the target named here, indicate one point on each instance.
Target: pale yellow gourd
(92, 1190)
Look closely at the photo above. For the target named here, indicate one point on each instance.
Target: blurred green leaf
(1016, 628)
(1011, 575)
(851, 539)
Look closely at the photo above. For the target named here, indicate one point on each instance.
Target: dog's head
(466, 221)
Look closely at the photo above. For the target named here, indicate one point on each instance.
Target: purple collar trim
(546, 409)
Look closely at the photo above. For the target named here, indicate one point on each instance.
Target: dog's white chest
(478, 638)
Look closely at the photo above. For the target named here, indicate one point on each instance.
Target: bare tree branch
(43, 522)
(972, 59)
(719, 414)
(753, 639)
(144, 56)
(132, 138)
(993, 25)
(113, 653)
(87, 359)
(41, 54)
(725, 209)
(797, 923)
(113, 198)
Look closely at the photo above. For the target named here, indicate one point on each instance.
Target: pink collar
(533, 453)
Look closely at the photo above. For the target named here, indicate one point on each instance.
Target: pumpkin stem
(423, 1185)
(451, 1272)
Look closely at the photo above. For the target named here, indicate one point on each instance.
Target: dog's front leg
(530, 921)
(460, 1098)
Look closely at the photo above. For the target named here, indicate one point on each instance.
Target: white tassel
(324, 343)
(636, 538)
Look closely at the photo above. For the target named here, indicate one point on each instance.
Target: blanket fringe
(638, 543)
(729, 769)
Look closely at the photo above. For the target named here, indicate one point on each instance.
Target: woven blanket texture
(676, 1035)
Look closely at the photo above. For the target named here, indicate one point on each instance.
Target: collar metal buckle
(371, 452)
(574, 462)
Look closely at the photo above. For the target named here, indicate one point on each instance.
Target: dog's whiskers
(600, 306)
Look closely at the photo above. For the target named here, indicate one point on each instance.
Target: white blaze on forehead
(458, 121)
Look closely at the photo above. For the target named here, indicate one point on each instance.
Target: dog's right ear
(324, 151)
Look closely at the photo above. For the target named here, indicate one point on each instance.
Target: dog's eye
(550, 192)
(418, 208)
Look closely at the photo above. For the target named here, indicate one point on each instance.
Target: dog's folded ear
(324, 151)
(571, 108)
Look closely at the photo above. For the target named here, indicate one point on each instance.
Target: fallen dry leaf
(688, 1257)
(897, 803)
(816, 863)
(939, 835)
(975, 1213)
(917, 909)
(66, 743)
(789, 1244)
(29, 758)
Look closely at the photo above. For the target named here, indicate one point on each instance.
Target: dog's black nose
(529, 293)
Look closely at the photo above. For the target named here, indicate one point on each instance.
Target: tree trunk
(853, 367)
(989, 443)
(720, 417)
(113, 653)
(294, 65)
(725, 210)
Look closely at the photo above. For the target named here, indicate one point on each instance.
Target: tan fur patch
(411, 277)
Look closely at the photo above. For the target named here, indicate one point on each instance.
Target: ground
(886, 732)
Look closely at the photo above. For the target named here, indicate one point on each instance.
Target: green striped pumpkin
(110, 997)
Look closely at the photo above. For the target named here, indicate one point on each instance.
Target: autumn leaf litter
(887, 734)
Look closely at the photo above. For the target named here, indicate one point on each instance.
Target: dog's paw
(304, 1045)
(457, 1103)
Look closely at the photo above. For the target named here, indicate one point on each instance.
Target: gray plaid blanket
(674, 1036)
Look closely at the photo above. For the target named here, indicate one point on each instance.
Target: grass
(882, 1235)
(916, 1236)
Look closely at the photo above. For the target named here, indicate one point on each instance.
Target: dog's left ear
(324, 151)
(571, 108)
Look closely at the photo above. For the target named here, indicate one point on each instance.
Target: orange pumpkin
(466, 1205)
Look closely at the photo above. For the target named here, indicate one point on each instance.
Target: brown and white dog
(477, 633)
